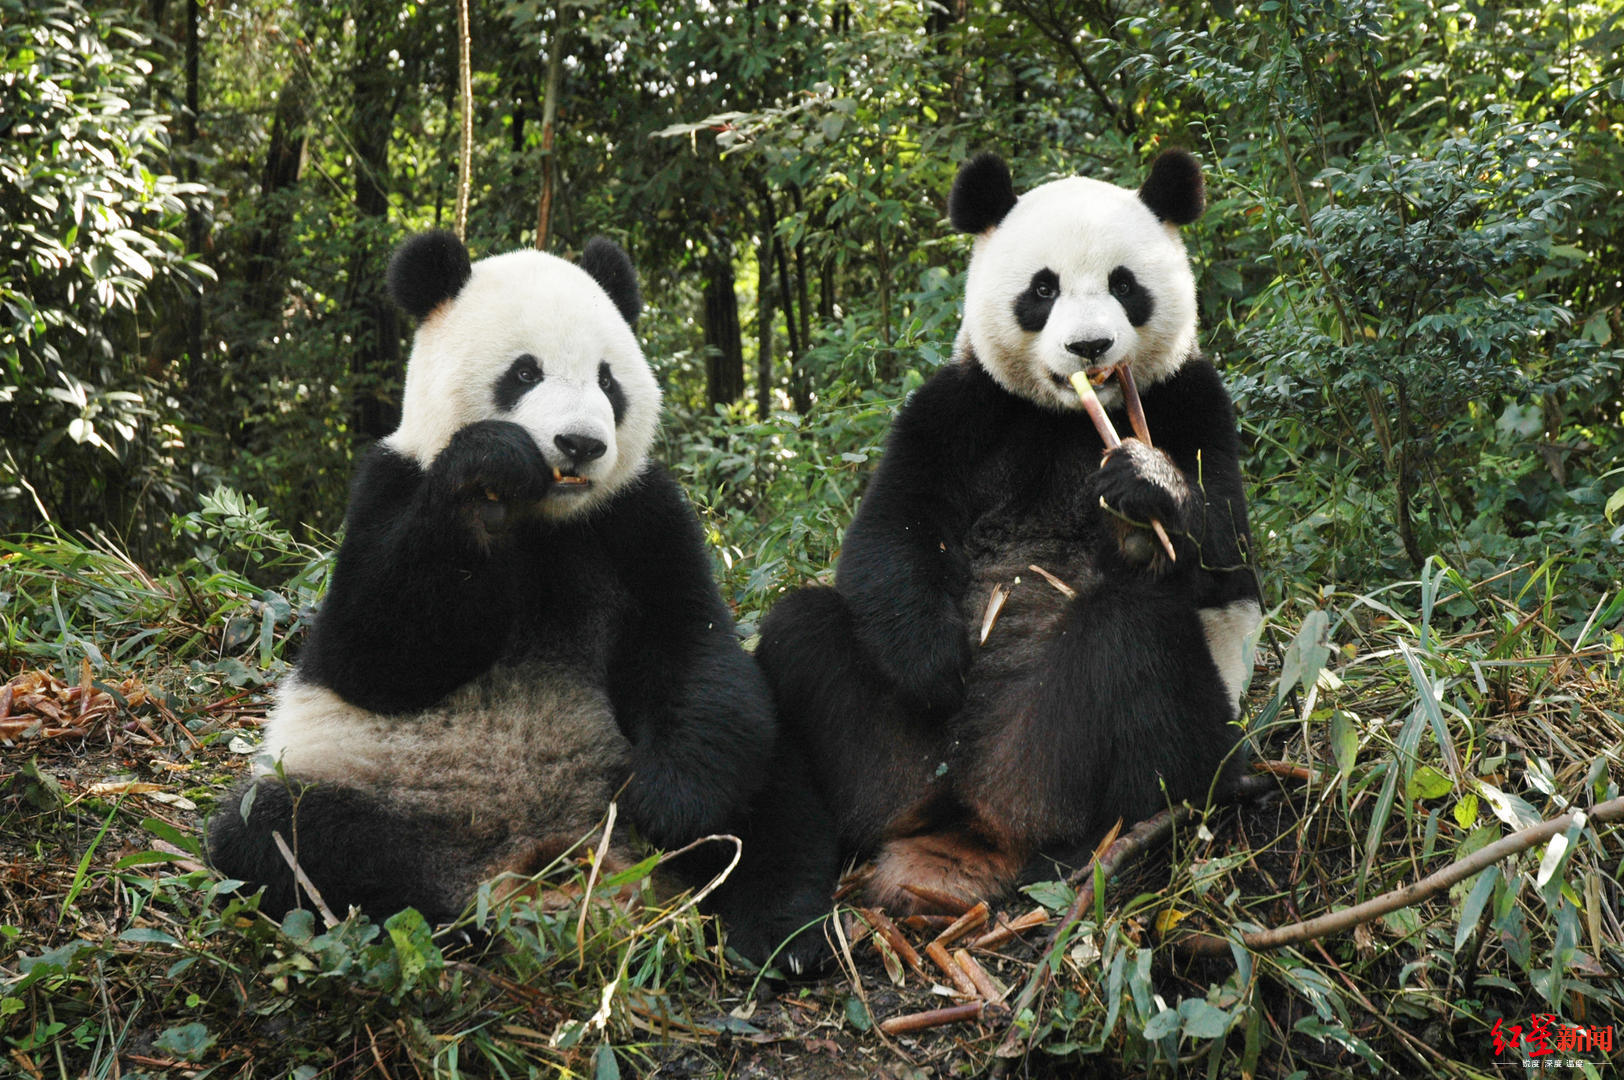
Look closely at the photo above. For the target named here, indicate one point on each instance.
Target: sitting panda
(522, 626)
(1007, 663)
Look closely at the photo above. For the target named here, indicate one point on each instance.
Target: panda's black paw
(767, 944)
(934, 686)
(488, 474)
(924, 661)
(1136, 485)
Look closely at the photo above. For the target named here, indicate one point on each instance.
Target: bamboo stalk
(1008, 928)
(979, 977)
(953, 1014)
(944, 960)
(973, 919)
(1108, 435)
(885, 929)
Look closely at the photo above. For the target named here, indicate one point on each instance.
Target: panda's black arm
(417, 605)
(1193, 420)
(902, 565)
(692, 702)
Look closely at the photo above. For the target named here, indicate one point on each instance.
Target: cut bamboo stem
(955, 974)
(970, 920)
(953, 1014)
(885, 929)
(1136, 408)
(1108, 435)
(984, 985)
(1007, 929)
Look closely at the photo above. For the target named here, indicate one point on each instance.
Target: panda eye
(1045, 285)
(527, 370)
(1122, 283)
(605, 379)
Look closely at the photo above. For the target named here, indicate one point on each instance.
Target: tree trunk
(765, 309)
(791, 327)
(284, 161)
(375, 363)
(724, 345)
(1404, 461)
(549, 116)
(195, 224)
(802, 384)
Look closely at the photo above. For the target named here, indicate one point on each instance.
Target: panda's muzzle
(578, 450)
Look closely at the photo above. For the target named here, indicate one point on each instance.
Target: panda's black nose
(1090, 348)
(580, 448)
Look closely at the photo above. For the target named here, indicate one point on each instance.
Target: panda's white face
(1080, 275)
(533, 339)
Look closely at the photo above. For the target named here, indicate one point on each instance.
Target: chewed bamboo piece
(563, 478)
(1102, 424)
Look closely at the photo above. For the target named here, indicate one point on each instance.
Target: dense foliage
(1412, 275)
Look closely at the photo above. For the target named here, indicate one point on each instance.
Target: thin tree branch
(1414, 893)
(465, 148)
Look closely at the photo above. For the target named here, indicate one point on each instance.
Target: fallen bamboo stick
(1008, 928)
(978, 976)
(973, 919)
(955, 974)
(919, 1021)
(885, 929)
(1407, 896)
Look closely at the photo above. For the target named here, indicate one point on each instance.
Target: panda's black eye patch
(612, 390)
(1032, 307)
(520, 376)
(1135, 299)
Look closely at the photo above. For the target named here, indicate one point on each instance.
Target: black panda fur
(958, 765)
(500, 654)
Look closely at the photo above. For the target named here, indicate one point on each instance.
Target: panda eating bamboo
(1009, 660)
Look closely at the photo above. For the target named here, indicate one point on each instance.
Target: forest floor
(121, 956)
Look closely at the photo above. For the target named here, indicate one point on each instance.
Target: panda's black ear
(427, 270)
(1174, 190)
(982, 194)
(611, 268)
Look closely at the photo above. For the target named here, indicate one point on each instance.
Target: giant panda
(522, 626)
(1007, 663)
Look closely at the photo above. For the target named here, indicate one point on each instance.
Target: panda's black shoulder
(1194, 403)
(650, 505)
(959, 403)
(652, 533)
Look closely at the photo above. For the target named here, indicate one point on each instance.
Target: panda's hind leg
(353, 846)
(870, 755)
(778, 899)
(945, 867)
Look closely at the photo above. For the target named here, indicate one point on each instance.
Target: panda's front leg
(1136, 485)
(490, 476)
(422, 593)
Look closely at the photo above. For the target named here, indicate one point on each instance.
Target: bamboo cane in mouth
(1108, 435)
